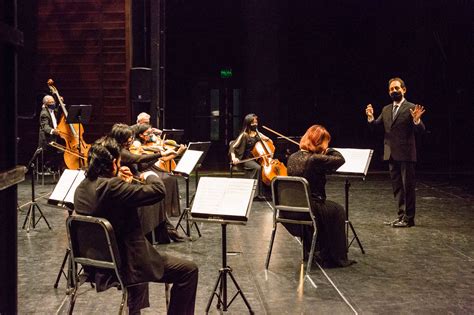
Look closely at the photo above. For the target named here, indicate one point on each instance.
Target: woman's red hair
(313, 138)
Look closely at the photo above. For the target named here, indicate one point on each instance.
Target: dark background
(304, 62)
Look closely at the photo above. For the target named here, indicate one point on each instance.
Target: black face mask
(253, 127)
(396, 96)
(52, 106)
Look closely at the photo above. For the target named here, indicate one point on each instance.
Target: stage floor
(427, 269)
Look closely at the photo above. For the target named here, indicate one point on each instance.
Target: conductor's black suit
(400, 152)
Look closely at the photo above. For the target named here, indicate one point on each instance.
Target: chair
(290, 194)
(92, 243)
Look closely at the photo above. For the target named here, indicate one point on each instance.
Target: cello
(264, 150)
(76, 148)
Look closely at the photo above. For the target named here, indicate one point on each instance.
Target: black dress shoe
(401, 224)
(259, 198)
(391, 223)
(175, 236)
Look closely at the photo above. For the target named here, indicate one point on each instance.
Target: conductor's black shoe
(401, 224)
(391, 223)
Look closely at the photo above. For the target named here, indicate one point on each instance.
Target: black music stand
(79, 114)
(231, 204)
(30, 219)
(63, 197)
(356, 166)
(173, 134)
(185, 167)
(204, 148)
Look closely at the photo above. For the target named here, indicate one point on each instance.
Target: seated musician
(123, 134)
(241, 149)
(106, 193)
(313, 161)
(144, 119)
(48, 132)
(144, 142)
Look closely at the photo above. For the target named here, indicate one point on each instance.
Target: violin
(264, 150)
(75, 147)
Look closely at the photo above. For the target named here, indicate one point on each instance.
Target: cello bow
(280, 135)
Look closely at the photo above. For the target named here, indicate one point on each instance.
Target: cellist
(241, 149)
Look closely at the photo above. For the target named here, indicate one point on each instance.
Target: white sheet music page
(217, 196)
(65, 188)
(188, 162)
(357, 161)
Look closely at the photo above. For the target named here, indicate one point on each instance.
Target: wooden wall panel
(83, 46)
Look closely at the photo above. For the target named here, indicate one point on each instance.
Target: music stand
(63, 196)
(185, 167)
(30, 220)
(356, 166)
(173, 134)
(79, 114)
(224, 201)
(204, 148)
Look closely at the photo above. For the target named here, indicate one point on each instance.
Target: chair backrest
(291, 194)
(92, 243)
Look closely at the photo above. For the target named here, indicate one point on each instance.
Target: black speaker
(140, 84)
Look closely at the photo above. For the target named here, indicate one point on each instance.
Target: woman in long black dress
(313, 161)
(241, 149)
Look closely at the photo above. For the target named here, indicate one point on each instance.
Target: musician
(313, 161)
(241, 149)
(105, 193)
(144, 119)
(48, 132)
(165, 231)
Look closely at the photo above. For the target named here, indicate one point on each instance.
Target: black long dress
(330, 216)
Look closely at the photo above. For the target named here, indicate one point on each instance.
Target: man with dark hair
(105, 192)
(400, 119)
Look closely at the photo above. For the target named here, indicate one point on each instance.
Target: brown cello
(264, 150)
(76, 148)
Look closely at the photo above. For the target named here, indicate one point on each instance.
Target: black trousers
(403, 179)
(183, 274)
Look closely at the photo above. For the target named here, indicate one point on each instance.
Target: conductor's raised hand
(416, 112)
(369, 111)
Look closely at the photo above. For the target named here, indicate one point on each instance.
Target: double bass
(76, 148)
(263, 150)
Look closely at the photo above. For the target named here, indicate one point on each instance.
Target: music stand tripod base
(185, 215)
(221, 294)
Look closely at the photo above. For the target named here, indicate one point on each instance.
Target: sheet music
(357, 161)
(188, 162)
(217, 196)
(65, 188)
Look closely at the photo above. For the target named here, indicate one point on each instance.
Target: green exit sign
(226, 73)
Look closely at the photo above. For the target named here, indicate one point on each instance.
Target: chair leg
(271, 247)
(124, 299)
(167, 295)
(73, 297)
(311, 253)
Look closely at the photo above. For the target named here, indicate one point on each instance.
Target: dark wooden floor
(427, 269)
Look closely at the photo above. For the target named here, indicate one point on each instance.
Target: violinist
(144, 142)
(144, 119)
(137, 163)
(48, 132)
(313, 161)
(104, 194)
(241, 149)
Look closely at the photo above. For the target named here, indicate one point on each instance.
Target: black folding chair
(290, 194)
(92, 243)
